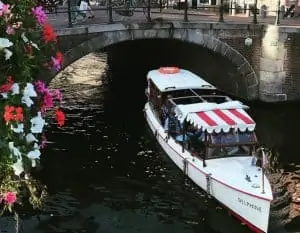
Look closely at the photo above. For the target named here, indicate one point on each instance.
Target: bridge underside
(135, 58)
(211, 58)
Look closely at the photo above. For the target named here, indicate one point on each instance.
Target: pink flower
(39, 14)
(5, 10)
(56, 63)
(10, 198)
(43, 142)
(56, 94)
(40, 87)
(10, 30)
(48, 100)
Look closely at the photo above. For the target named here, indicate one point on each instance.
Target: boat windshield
(232, 138)
(230, 144)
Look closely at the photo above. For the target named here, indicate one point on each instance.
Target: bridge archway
(195, 36)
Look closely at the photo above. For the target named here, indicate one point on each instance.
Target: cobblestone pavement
(60, 20)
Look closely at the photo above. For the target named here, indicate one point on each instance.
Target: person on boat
(196, 143)
(230, 138)
(172, 125)
(164, 111)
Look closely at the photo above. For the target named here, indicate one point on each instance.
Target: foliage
(28, 44)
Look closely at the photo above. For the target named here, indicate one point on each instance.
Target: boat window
(187, 100)
(215, 98)
(233, 137)
(218, 152)
(208, 92)
(154, 95)
(180, 93)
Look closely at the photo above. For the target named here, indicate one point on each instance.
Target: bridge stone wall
(267, 77)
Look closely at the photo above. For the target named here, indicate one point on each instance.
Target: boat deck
(249, 179)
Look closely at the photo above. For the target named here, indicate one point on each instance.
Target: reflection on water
(105, 172)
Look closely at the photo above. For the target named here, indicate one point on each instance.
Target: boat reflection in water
(211, 138)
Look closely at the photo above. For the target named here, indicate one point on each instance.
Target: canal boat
(212, 140)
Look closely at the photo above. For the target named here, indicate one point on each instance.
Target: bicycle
(127, 7)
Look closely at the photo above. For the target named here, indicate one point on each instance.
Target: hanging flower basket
(28, 44)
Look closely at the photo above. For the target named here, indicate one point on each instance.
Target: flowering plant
(28, 44)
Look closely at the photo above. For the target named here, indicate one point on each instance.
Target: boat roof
(183, 79)
(216, 118)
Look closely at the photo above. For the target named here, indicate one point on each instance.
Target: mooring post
(69, 14)
(186, 11)
(255, 12)
(160, 6)
(221, 12)
(149, 11)
(110, 20)
(278, 13)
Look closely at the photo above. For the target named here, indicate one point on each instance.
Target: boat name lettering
(248, 204)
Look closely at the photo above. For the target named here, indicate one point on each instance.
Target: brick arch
(107, 38)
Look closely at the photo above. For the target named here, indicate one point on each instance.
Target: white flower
(4, 95)
(7, 54)
(14, 150)
(5, 43)
(26, 40)
(37, 123)
(30, 138)
(34, 45)
(34, 154)
(33, 163)
(26, 100)
(15, 88)
(29, 90)
(18, 167)
(18, 129)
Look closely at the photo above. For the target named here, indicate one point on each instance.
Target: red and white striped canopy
(212, 117)
(218, 120)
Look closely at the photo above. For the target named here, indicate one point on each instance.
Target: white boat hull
(251, 207)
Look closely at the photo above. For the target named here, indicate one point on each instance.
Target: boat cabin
(208, 123)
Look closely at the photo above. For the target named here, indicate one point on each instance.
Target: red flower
(60, 117)
(49, 34)
(12, 113)
(59, 57)
(19, 114)
(6, 87)
(8, 113)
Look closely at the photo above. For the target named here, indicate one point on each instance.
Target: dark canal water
(106, 174)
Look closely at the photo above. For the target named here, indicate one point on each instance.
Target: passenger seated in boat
(246, 137)
(216, 138)
(172, 125)
(230, 138)
(196, 146)
(164, 111)
(195, 132)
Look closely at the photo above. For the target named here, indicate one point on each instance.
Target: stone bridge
(268, 67)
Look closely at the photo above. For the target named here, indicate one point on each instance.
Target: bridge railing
(68, 13)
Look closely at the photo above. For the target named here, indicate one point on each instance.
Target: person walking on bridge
(84, 7)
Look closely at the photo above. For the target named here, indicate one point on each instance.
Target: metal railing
(112, 8)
